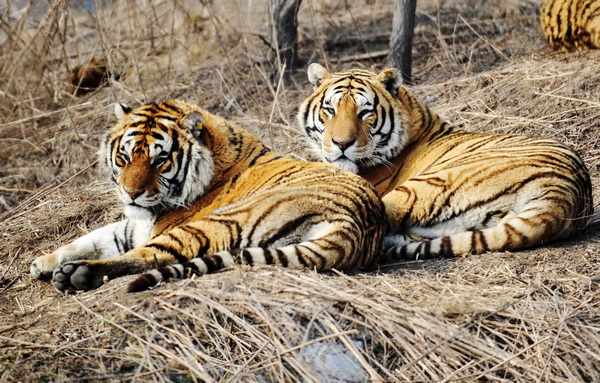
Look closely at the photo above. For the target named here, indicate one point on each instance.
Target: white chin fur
(346, 165)
(134, 212)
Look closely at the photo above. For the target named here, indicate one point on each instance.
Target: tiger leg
(318, 254)
(402, 239)
(326, 245)
(413, 204)
(179, 244)
(409, 205)
(454, 224)
(106, 242)
(531, 227)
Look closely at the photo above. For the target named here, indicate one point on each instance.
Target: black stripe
(174, 253)
(258, 156)
(286, 229)
(156, 135)
(364, 112)
(261, 218)
(213, 263)
(193, 265)
(427, 249)
(444, 130)
(419, 251)
(174, 239)
(282, 258)
(135, 124)
(317, 255)
(268, 256)
(300, 256)
(510, 232)
(201, 237)
(404, 252)
(246, 256)
(118, 244)
(169, 109)
(128, 238)
(273, 159)
(446, 247)
(168, 273)
(142, 283)
(474, 236)
(491, 214)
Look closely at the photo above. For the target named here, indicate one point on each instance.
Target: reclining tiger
(201, 194)
(446, 191)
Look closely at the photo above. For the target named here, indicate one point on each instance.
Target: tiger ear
(391, 80)
(122, 110)
(316, 73)
(193, 121)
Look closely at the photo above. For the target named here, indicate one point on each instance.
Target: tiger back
(201, 194)
(446, 191)
(571, 24)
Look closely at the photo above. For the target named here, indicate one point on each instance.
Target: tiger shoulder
(571, 24)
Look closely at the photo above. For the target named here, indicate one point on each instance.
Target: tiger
(447, 192)
(201, 194)
(571, 25)
(89, 77)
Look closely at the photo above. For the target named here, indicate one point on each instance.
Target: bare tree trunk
(402, 35)
(284, 33)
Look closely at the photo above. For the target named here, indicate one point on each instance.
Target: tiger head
(352, 119)
(156, 156)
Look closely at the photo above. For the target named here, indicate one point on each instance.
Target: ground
(523, 316)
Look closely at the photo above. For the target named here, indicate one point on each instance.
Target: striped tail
(319, 254)
(516, 234)
(197, 266)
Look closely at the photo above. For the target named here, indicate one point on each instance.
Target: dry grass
(527, 316)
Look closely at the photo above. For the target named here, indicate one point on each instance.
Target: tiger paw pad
(75, 276)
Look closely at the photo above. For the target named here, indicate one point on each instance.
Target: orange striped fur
(571, 24)
(446, 191)
(202, 194)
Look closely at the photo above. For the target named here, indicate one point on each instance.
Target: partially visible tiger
(571, 24)
(446, 192)
(201, 194)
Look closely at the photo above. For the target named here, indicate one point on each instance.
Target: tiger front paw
(78, 275)
(42, 267)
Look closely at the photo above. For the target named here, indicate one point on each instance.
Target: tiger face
(157, 162)
(349, 120)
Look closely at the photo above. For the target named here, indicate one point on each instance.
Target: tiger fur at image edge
(201, 194)
(571, 24)
(446, 192)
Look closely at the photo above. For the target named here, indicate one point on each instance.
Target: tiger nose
(134, 194)
(343, 144)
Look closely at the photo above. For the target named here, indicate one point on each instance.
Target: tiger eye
(121, 160)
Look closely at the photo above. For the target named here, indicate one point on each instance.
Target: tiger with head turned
(446, 191)
(201, 194)
(571, 24)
